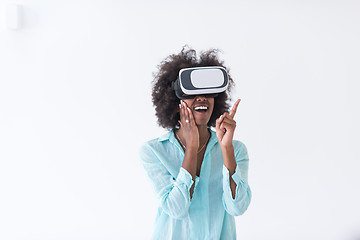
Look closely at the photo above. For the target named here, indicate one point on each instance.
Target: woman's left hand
(225, 127)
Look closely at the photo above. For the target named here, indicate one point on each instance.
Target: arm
(230, 164)
(236, 192)
(189, 164)
(173, 192)
(191, 135)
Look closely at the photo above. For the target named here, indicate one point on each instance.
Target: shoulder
(154, 146)
(241, 153)
(151, 143)
(239, 145)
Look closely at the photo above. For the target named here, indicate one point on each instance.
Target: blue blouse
(209, 214)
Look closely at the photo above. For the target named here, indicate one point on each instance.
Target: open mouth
(201, 108)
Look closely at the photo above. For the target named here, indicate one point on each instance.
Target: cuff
(226, 181)
(196, 182)
(236, 176)
(185, 177)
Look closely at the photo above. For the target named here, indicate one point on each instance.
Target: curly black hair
(163, 96)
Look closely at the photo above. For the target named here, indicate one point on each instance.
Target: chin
(201, 123)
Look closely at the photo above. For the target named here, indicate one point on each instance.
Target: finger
(226, 116)
(227, 126)
(219, 121)
(186, 113)
(181, 112)
(222, 127)
(229, 121)
(191, 116)
(234, 108)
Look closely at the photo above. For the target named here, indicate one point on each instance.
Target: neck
(203, 134)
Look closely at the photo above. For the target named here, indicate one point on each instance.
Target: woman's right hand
(188, 127)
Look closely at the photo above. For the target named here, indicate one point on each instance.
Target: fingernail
(179, 105)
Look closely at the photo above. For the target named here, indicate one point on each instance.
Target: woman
(199, 175)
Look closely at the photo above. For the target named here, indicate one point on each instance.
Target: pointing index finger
(234, 108)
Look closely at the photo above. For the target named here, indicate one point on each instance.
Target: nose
(200, 98)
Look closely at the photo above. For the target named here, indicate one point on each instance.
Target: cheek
(212, 104)
(188, 102)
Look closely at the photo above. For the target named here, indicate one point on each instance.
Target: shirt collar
(166, 136)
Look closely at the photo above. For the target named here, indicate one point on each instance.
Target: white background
(75, 105)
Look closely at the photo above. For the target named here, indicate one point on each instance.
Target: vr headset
(208, 81)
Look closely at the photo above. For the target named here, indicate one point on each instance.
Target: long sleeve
(242, 199)
(173, 192)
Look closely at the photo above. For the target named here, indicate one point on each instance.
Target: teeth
(201, 108)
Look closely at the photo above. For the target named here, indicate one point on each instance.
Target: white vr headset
(208, 81)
